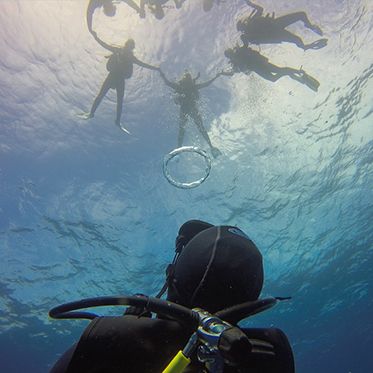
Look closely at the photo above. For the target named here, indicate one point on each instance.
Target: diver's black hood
(218, 267)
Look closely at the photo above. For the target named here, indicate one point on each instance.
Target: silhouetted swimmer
(187, 96)
(120, 67)
(156, 6)
(244, 59)
(260, 29)
(108, 7)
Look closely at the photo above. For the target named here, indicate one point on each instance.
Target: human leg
(289, 37)
(269, 71)
(273, 72)
(182, 123)
(104, 89)
(197, 118)
(120, 95)
(299, 75)
(291, 18)
(302, 77)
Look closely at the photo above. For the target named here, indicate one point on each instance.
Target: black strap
(169, 276)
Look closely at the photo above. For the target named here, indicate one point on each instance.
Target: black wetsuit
(247, 59)
(230, 266)
(142, 345)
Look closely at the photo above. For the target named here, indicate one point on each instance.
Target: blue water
(86, 211)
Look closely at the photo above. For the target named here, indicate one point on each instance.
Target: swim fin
(318, 44)
(309, 81)
(316, 29)
(123, 128)
(84, 116)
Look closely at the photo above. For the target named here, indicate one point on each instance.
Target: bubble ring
(186, 149)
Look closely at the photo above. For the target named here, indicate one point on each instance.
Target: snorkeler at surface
(108, 7)
(156, 7)
(120, 67)
(214, 268)
(260, 29)
(187, 96)
(245, 60)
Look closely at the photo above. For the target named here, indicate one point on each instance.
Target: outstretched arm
(143, 64)
(197, 77)
(205, 84)
(92, 5)
(167, 82)
(103, 44)
(258, 8)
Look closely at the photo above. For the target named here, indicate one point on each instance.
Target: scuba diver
(156, 6)
(187, 96)
(260, 29)
(214, 268)
(108, 7)
(120, 66)
(245, 59)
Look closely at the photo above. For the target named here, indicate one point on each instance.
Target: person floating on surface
(187, 96)
(108, 7)
(214, 268)
(260, 29)
(120, 67)
(156, 7)
(245, 59)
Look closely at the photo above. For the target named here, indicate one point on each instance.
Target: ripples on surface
(85, 210)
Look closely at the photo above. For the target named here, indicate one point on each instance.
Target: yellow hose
(177, 364)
